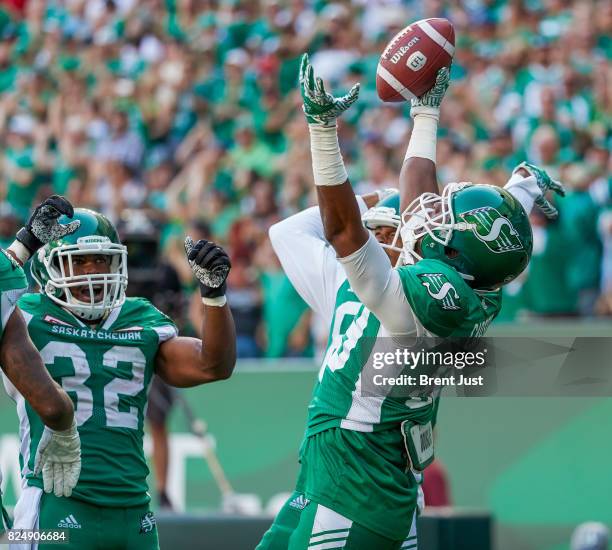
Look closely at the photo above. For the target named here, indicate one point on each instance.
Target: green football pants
(96, 527)
(303, 524)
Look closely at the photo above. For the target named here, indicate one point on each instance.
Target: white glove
(59, 458)
(320, 107)
(429, 103)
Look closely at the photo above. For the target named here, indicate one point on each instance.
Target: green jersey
(442, 304)
(13, 284)
(106, 371)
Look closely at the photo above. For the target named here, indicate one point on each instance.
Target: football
(408, 66)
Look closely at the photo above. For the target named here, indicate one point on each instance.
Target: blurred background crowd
(177, 117)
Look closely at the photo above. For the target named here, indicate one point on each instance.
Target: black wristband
(29, 240)
(208, 292)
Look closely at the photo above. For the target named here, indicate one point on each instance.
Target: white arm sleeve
(524, 189)
(378, 286)
(308, 259)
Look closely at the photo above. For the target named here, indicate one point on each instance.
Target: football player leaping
(59, 454)
(103, 348)
(358, 484)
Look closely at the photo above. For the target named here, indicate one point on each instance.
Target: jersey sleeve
(13, 285)
(308, 259)
(377, 284)
(154, 319)
(437, 295)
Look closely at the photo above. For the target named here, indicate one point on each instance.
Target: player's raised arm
(20, 361)
(418, 173)
(185, 362)
(58, 454)
(337, 202)
(367, 267)
(529, 185)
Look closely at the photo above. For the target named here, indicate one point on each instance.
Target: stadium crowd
(177, 117)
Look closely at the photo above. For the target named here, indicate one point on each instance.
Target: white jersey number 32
(113, 389)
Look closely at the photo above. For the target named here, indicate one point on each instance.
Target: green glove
(432, 99)
(545, 183)
(321, 107)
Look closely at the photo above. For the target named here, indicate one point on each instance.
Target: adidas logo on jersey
(70, 522)
(299, 502)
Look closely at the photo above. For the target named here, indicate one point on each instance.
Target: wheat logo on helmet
(84, 272)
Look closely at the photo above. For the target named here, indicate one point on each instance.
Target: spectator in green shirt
(18, 165)
(285, 315)
(579, 215)
(250, 154)
(547, 291)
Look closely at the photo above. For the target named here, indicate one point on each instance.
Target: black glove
(43, 227)
(210, 264)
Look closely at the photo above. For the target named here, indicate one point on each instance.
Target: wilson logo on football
(397, 56)
(395, 40)
(493, 229)
(416, 61)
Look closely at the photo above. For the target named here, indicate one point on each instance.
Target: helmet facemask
(383, 216)
(430, 215)
(61, 278)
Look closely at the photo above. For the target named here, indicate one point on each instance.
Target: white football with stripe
(408, 66)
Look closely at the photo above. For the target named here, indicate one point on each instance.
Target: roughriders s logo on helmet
(440, 288)
(493, 229)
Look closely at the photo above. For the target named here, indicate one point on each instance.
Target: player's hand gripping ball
(432, 99)
(413, 58)
(43, 225)
(210, 265)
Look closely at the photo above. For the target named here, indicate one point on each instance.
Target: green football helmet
(386, 213)
(480, 230)
(52, 266)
